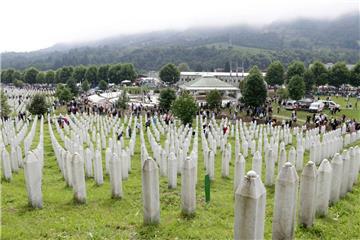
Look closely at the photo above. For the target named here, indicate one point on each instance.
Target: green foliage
(309, 80)
(296, 87)
(63, 93)
(295, 68)
(122, 102)
(91, 75)
(40, 78)
(85, 86)
(167, 97)
(319, 73)
(355, 75)
(169, 73)
(185, 108)
(8, 76)
(283, 93)
(71, 84)
(103, 72)
(50, 77)
(79, 73)
(255, 92)
(339, 74)
(103, 85)
(30, 75)
(18, 83)
(184, 67)
(64, 74)
(5, 108)
(115, 73)
(127, 72)
(213, 99)
(275, 74)
(38, 105)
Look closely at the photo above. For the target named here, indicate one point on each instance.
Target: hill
(211, 47)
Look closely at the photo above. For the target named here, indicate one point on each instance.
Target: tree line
(276, 74)
(114, 73)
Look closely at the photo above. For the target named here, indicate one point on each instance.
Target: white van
(316, 106)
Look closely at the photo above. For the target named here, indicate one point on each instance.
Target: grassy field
(351, 113)
(106, 218)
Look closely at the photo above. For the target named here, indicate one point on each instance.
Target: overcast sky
(28, 25)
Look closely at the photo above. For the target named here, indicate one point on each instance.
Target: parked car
(331, 105)
(291, 105)
(305, 103)
(316, 106)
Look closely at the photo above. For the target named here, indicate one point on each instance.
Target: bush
(38, 105)
(85, 86)
(214, 99)
(103, 85)
(185, 108)
(18, 83)
(167, 97)
(121, 103)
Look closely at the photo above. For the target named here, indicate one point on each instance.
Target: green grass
(349, 113)
(105, 218)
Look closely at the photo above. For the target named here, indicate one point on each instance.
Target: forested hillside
(207, 48)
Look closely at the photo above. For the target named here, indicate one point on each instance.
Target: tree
(30, 75)
(169, 73)
(71, 84)
(355, 75)
(309, 80)
(255, 92)
(283, 93)
(167, 97)
(18, 83)
(7, 76)
(40, 78)
(5, 108)
(38, 105)
(213, 99)
(91, 75)
(122, 102)
(50, 77)
(319, 73)
(63, 93)
(85, 86)
(103, 72)
(115, 73)
(275, 74)
(295, 68)
(127, 72)
(185, 108)
(64, 74)
(339, 74)
(296, 87)
(79, 73)
(184, 67)
(103, 85)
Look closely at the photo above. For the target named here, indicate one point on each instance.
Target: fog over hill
(205, 48)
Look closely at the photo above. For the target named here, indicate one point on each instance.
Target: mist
(38, 24)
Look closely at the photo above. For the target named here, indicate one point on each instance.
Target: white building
(232, 78)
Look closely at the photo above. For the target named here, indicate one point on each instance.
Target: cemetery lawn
(106, 218)
(349, 113)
